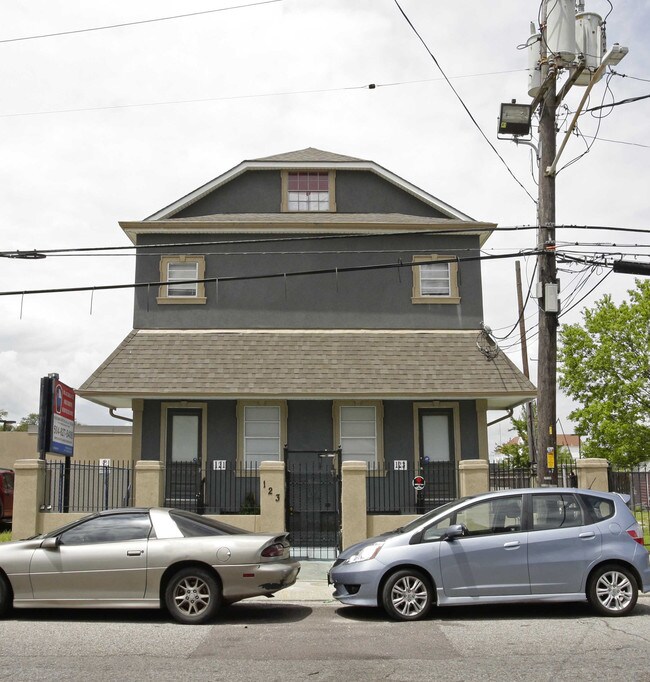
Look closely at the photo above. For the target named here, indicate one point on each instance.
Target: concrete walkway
(310, 586)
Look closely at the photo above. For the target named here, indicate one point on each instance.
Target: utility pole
(547, 343)
(571, 41)
(529, 409)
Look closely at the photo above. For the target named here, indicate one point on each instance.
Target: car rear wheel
(407, 595)
(612, 591)
(193, 596)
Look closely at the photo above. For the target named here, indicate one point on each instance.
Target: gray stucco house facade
(303, 303)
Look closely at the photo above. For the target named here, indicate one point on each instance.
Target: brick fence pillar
(272, 493)
(149, 483)
(592, 474)
(29, 486)
(353, 502)
(474, 477)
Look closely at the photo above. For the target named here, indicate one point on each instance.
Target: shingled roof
(363, 364)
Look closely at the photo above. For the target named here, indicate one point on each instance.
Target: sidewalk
(310, 586)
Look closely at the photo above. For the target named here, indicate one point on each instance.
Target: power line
(276, 275)
(139, 248)
(629, 100)
(135, 105)
(137, 23)
(460, 99)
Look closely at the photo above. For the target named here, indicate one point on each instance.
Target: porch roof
(305, 364)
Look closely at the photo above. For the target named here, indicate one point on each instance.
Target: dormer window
(178, 273)
(308, 191)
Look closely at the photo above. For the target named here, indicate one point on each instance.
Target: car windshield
(432, 514)
(193, 526)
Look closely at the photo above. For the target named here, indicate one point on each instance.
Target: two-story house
(302, 303)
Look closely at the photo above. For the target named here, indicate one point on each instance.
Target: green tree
(605, 368)
(30, 420)
(517, 453)
(3, 426)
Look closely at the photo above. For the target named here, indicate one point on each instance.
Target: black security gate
(313, 501)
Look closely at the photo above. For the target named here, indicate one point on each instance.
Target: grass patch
(5, 536)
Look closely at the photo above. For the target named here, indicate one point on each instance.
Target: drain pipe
(111, 411)
(496, 421)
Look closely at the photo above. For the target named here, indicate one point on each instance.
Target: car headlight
(365, 553)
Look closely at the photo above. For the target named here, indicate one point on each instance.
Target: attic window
(308, 191)
(178, 272)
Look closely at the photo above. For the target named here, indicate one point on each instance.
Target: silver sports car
(145, 558)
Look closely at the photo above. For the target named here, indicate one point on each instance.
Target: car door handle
(512, 545)
(589, 534)
(135, 552)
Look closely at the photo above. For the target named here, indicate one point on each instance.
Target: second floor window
(178, 272)
(435, 280)
(308, 191)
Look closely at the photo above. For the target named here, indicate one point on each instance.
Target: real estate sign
(56, 417)
(62, 442)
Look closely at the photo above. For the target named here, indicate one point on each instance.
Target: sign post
(56, 425)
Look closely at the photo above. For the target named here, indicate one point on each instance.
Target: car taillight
(636, 534)
(276, 549)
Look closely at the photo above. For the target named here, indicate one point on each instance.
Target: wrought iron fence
(636, 484)
(227, 489)
(87, 486)
(395, 491)
(503, 476)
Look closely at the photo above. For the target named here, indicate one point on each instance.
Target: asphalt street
(303, 634)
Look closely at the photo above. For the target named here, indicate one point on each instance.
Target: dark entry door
(437, 456)
(314, 502)
(184, 483)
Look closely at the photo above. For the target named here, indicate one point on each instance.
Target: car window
(600, 508)
(555, 510)
(8, 483)
(195, 526)
(435, 531)
(497, 515)
(113, 528)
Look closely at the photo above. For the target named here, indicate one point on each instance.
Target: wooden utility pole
(547, 345)
(528, 407)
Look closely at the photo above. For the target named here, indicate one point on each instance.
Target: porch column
(353, 502)
(136, 430)
(29, 486)
(474, 476)
(272, 491)
(149, 482)
(592, 474)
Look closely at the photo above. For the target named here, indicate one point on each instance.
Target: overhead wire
(462, 102)
(137, 23)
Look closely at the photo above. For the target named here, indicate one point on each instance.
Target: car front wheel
(407, 595)
(5, 597)
(192, 596)
(612, 591)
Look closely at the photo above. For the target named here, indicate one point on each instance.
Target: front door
(184, 482)
(437, 457)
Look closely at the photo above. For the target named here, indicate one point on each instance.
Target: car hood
(353, 549)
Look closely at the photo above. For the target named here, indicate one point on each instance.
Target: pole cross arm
(613, 56)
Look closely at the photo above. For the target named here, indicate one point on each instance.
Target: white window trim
(241, 426)
(163, 296)
(284, 207)
(379, 426)
(417, 296)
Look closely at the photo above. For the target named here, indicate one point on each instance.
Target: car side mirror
(455, 531)
(51, 543)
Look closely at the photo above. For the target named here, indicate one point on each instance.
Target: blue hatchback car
(528, 545)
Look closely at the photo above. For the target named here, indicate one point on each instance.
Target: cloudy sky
(107, 125)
